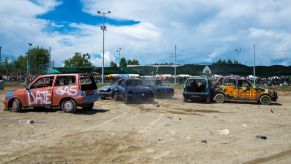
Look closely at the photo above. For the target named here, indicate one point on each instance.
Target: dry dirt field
(169, 131)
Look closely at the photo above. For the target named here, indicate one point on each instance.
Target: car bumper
(196, 96)
(140, 97)
(105, 94)
(88, 99)
(164, 94)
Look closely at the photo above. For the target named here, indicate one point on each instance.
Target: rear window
(87, 83)
(133, 82)
(65, 80)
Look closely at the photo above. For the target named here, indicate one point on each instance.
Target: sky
(148, 30)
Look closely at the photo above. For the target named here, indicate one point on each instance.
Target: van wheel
(88, 107)
(265, 100)
(219, 98)
(69, 106)
(16, 105)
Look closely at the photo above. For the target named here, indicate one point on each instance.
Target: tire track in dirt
(105, 122)
(270, 158)
(151, 124)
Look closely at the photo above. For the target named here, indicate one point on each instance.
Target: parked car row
(136, 90)
(70, 91)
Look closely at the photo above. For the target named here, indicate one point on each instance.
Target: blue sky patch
(70, 11)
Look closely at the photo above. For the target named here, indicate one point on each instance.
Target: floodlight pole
(0, 55)
(175, 66)
(254, 69)
(103, 28)
(118, 51)
(238, 51)
(27, 63)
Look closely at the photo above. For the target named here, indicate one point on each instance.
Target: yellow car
(241, 89)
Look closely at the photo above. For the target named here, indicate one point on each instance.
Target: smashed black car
(160, 90)
(197, 89)
(132, 90)
(107, 91)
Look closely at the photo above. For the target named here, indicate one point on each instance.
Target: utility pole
(254, 68)
(103, 28)
(50, 59)
(118, 51)
(0, 55)
(175, 67)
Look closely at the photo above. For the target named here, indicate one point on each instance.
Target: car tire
(115, 97)
(102, 97)
(219, 98)
(88, 107)
(69, 106)
(265, 100)
(16, 105)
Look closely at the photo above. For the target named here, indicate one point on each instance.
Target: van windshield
(87, 83)
(196, 85)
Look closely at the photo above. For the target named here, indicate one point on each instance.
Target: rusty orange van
(66, 91)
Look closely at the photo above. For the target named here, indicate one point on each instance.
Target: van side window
(43, 82)
(65, 80)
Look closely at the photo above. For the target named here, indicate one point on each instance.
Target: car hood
(10, 95)
(106, 87)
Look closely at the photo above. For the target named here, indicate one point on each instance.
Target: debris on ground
(158, 105)
(261, 137)
(204, 141)
(224, 132)
(272, 111)
(30, 122)
(244, 125)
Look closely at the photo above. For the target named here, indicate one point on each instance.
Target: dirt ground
(169, 131)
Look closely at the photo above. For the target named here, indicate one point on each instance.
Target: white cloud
(97, 61)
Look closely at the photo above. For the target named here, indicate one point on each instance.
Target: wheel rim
(15, 105)
(265, 100)
(68, 106)
(219, 98)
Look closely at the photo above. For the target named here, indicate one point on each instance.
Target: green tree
(78, 60)
(123, 62)
(38, 60)
(229, 61)
(132, 62)
(113, 64)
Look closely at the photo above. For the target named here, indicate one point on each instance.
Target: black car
(132, 90)
(107, 91)
(197, 88)
(160, 90)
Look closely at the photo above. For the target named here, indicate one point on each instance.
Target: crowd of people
(270, 81)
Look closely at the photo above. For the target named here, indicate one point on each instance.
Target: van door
(39, 93)
(65, 86)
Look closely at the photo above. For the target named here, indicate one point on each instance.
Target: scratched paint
(67, 90)
(39, 97)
